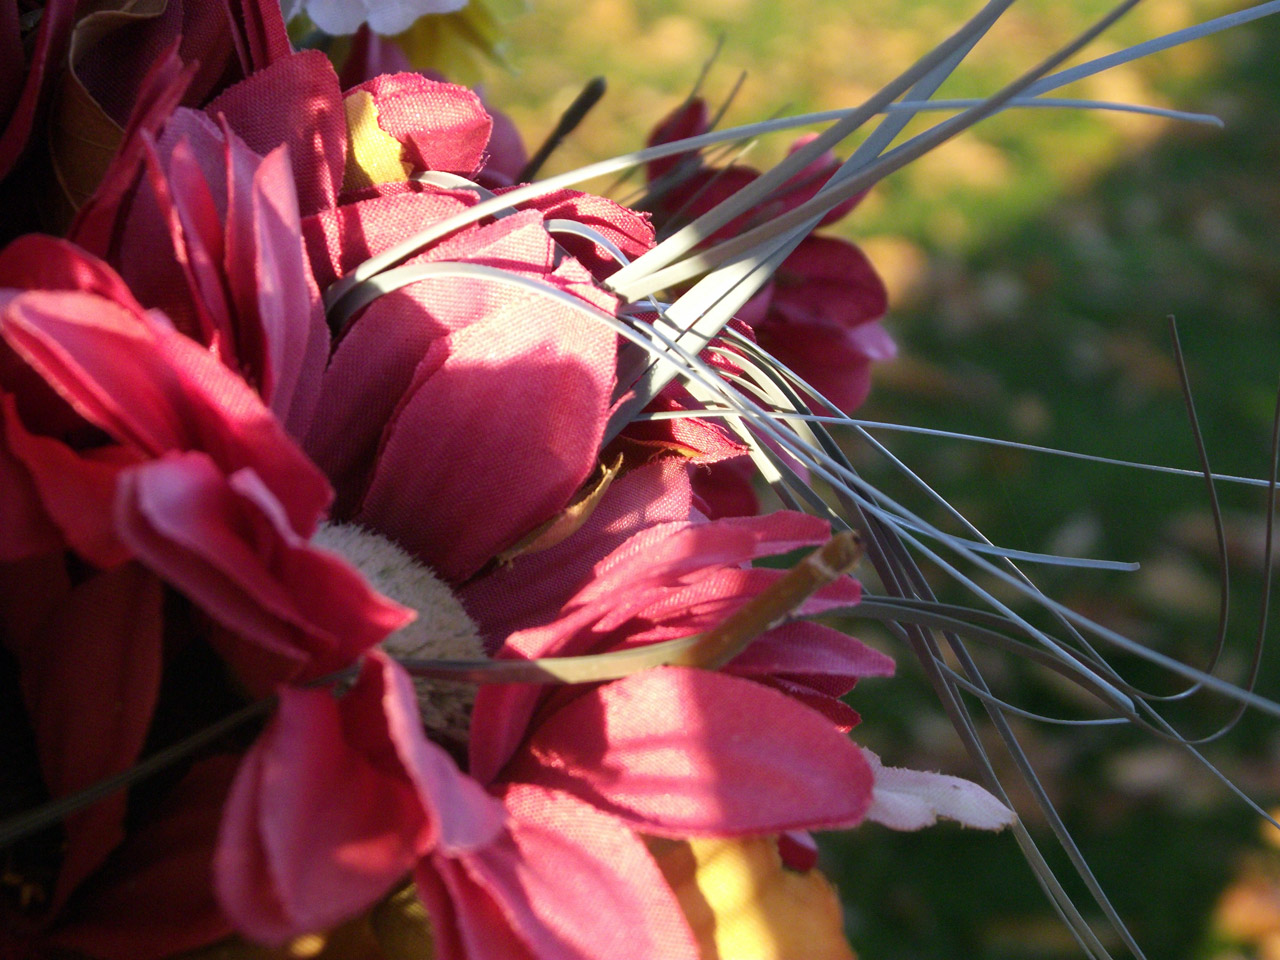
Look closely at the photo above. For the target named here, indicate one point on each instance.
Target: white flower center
(442, 631)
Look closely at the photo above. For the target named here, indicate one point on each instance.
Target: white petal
(383, 16)
(913, 799)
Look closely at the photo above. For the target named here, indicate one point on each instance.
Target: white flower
(383, 16)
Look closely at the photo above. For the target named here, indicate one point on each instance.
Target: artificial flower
(820, 312)
(64, 109)
(196, 475)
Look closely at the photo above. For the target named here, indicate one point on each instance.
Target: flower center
(442, 631)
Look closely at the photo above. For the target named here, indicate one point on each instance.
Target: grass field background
(1032, 264)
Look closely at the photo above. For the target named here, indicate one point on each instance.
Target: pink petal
(439, 479)
(150, 253)
(629, 231)
(666, 553)
(339, 239)
(839, 714)
(259, 33)
(640, 575)
(809, 648)
(50, 42)
(829, 282)
(684, 752)
(532, 589)
(225, 543)
(809, 180)
(97, 225)
(314, 830)
(35, 261)
(913, 799)
(461, 815)
(156, 390)
(696, 440)
(442, 126)
(295, 101)
(184, 204)
(466, 921)
(687, 120)
(76, 490)
(837, 363)
(282, 334)
(704, 189)
(577, 885)
(726, 488)
(336, 802)
(376, 358)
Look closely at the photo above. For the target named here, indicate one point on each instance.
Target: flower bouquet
(405, 556)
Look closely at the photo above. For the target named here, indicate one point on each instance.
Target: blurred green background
(1032, 264)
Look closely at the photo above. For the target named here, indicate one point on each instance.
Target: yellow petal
(743, 904)
(373, 155)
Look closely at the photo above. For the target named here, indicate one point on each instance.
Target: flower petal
(577, 885)
(224, 542)
(77, 490)
(461, 815)
(165, 865)
(443, 126)
(810, 649)
(914, 799)
(531, 590)
(296, 101)
(152, 388)
(315, 830)
(91, 686)
(282, 332)
(26, 528)
(683, 752)
(440, 488)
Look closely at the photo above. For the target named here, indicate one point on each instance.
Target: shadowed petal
(91, 685)
(296, 101)
(224, 542)
(165, 865)
(528, 386)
